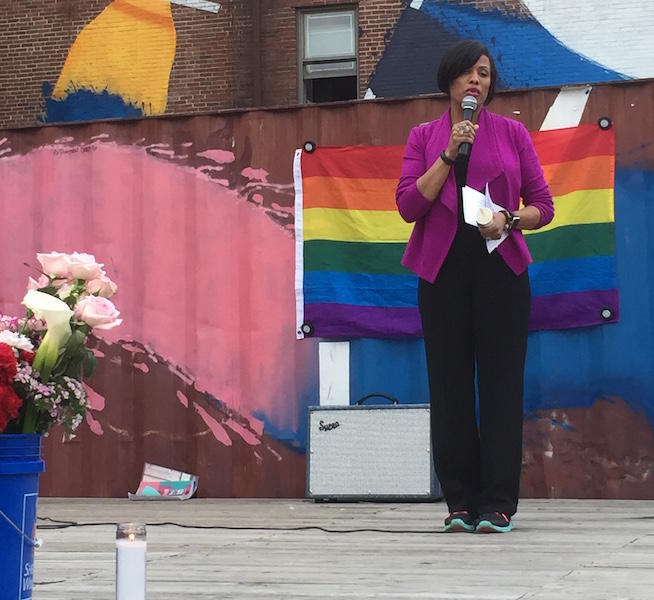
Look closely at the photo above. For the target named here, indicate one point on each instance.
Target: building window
(327, 44)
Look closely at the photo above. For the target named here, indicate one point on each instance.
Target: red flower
(10, 404)
(27, 356)
(8, 364)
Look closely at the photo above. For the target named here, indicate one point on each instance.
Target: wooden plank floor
(256, 549)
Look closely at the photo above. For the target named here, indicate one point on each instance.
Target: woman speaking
(474, 305)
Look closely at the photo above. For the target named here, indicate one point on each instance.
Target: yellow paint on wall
(128, 50)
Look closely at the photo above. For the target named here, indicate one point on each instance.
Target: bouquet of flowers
(43, 356)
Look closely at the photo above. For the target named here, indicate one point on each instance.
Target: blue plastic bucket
(20, 465)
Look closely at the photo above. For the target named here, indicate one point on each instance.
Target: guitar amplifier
(371, 452)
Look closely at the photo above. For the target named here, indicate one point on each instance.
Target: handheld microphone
(469, 105)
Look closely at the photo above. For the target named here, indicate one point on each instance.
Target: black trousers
(476, 315)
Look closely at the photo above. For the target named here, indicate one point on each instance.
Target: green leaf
(49, 289)
(71, 356)
(90, 363)
(76, 341)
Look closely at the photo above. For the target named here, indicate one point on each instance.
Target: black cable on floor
(58, 524)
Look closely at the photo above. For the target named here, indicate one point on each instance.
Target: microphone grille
(469, 102)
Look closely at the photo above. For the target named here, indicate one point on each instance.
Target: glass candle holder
(131, 546)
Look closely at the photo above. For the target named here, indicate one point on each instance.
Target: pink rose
(97, 312)
(102, 286)
(55, 263)
(83, 266)
(76, 265)
(37, 284)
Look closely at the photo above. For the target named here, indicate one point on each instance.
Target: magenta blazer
(503, 156)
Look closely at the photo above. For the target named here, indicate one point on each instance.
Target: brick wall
(212, 68)
(243, 56)
(35, 38)
(515, 7)
(218, 63)
(376, 20)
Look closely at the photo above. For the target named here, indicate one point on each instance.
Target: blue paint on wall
(394, 367)
(575, 367)
(526, 54)
(570, 368)
(410, 61)
(294, 438)
(86, 105)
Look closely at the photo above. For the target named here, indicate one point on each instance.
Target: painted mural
(200, 244)
(194, 218)
(535, 43)
(119, 65)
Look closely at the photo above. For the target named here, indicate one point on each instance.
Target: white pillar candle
(131, 546)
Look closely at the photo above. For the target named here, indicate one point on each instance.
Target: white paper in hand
(472, 202)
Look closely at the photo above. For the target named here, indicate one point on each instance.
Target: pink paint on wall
(182, 398)
(256, 425)
(255, 174)
(205, 278)
(95, 400)
(219, 156)
(94, 425)
(217, 429)
(247, 436)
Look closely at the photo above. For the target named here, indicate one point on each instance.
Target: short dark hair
(458, 59)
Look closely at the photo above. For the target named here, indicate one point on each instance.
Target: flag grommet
(604, 122)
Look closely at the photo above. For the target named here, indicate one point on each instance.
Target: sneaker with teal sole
(495, 522)
(460, 521)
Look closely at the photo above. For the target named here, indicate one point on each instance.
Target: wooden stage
(293, 549)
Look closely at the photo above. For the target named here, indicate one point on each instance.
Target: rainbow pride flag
(350, 238)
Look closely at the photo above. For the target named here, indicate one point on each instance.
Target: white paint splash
(567, 108)
(620, 37)
(205, 5)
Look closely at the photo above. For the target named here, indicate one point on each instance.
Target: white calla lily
(56, 314)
